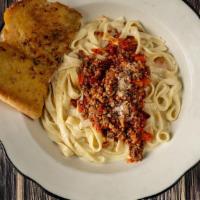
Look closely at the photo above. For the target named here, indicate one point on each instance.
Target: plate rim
(58, 195)
(45, 187)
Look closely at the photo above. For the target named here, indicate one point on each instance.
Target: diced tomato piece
(128, 44)
(81, 78)
(81, 104)
(124, 44)
(139, 57)
(80, 107)
(97, 126)
(97, 51)
(139, 83)
(146, 82)
(142, 83)
(130, 160)
(148, 137)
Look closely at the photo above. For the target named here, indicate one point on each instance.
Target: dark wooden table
(13, 185)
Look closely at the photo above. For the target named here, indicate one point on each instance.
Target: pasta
(76, 135)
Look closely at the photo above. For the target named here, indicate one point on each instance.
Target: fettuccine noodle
(75, 135)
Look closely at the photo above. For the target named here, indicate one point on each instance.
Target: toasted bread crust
(34, 39)
(23, 84)
(41, 29)
(22, 107)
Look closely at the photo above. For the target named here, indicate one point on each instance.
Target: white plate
(36, 156)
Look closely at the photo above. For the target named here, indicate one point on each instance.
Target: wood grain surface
(15, 186)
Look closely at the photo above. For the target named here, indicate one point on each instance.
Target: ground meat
(136, 152)
(114, 92)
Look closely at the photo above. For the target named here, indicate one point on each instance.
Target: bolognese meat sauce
(113, 91)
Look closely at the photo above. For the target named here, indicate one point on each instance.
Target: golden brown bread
(23, 84)
(41, 29)
(35, 37)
